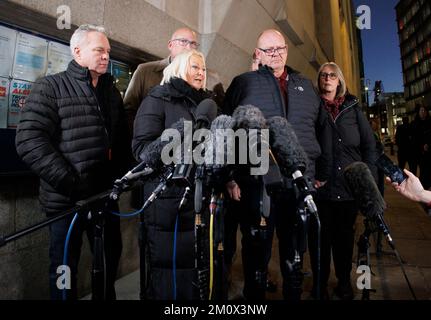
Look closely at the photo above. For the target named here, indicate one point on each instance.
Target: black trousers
(337, 220)
(112, 245)
(256, 248)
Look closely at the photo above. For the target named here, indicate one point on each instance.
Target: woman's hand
(234, 190)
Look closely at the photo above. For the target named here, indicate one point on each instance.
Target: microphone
(249, 117)
(217, 155)
(291, 157)
(284, 143)
(363, 187)
(219, 151)
(163, 184)
(206, 112)
(149, 165)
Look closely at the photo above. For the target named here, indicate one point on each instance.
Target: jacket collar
(77, 71)
(265, 68)
(82, 73)
(162, 64)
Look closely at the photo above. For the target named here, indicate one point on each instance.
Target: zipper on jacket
(93, 91)
(348, 107)
(283, 106)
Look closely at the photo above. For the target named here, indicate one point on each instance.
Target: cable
(127, 215)
(211, 253)
(174, 258)
(66, 248)
(319, 228)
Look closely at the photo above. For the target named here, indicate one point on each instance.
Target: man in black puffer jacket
(73, 134)
(276, 90)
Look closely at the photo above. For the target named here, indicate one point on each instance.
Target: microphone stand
(380, 225)
(305, 207)
(364, 254)
(82, 207)
(201, 267)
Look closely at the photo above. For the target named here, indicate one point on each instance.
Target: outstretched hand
(410, 188)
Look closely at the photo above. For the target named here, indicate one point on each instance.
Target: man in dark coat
(73, 134)
(277, 90)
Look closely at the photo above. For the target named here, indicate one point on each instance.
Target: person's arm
(38, 127)
(232, 97)
(412, 188)
(368, 143)
(149, 124)
(134, 94)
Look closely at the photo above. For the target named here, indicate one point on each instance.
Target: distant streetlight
(367, 89)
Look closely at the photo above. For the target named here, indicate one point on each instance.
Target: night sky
(380, 45)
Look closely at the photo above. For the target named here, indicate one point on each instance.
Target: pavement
(410, 229)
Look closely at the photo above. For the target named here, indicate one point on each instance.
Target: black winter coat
(346, 139)
(163, 106)
(260, 88)
(74, 142)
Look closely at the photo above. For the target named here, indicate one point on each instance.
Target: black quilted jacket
(260, 88)
(73, 136)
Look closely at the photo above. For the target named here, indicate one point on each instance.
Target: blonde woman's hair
(179, 66)
(341, 89)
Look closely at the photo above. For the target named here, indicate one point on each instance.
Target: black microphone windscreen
(206, 111)
(249, 117)
(361, 183)
(285, 145)
(219, 148)
(151, 154)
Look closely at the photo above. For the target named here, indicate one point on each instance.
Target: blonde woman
(181, 90)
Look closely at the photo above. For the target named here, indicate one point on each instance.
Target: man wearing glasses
(149, 74)
(277, 90)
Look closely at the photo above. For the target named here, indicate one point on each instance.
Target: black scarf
(181, 88)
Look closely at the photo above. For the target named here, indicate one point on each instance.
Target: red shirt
(282, 83)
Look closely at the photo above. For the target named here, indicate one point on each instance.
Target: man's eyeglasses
(272, 51)
(184, 43)
(331, 75)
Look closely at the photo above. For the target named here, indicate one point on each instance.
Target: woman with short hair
(180, 91)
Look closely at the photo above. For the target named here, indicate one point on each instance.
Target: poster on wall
(30, 57)
(4, 99)
(59, 56)
(121, 73)
(18, 93)
(7, 47)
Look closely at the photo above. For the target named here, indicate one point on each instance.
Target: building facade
(414, 30)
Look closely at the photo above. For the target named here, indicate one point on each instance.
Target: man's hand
(318, 184)
(234, 190)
